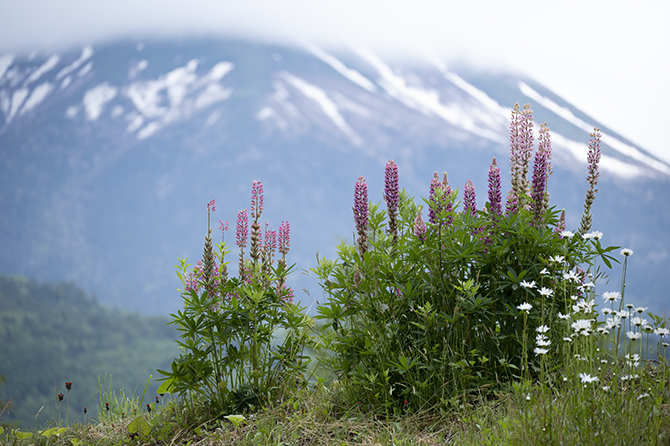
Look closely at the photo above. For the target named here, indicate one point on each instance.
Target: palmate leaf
(54, 431)
(139, 426)
(167, 386)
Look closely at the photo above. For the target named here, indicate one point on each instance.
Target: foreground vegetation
(469, 327)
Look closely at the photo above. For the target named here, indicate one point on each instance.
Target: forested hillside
(53, 333)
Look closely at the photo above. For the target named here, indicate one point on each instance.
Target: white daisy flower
(527, 285)
(541, 351)
(633, 360)
(611, 296)
(633, 336)
(662, 331)
(542, 329)
(525, 306)
(641, 309)
(572, 276)
(542, 341)
(626, 252)
(556, 259)
(567, 234)
(613, 322)
(546, 292)
(586, 378)
(638, 321)
(582, 325)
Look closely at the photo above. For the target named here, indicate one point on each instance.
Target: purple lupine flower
(211, 205)
(540, 175)
(284, 237)
(256, 200)
(420, 227)
(495, 198)
(242, 228)
(270, 240)
(361, 213)
(560, 227)
(285, 292)
(391, 196)
(514, 143)
(435, 185)
(593, 159)
(469, 198)
(525, 151)
(255, 241)
(439, 198)
(446, 200)
(521, 149)
(512, 204)
(223, 226)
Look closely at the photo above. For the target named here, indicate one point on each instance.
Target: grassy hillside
(53, 333)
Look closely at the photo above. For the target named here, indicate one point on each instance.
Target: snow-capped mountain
(109, 155)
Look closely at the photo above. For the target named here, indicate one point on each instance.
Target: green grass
(635, 412)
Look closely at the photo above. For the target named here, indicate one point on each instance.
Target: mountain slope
(53, 333)
(108, 155)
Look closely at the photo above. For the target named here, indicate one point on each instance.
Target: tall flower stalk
(256, 212)
(361, 213)
(241, 237)
(541, 172)
(209, 263)
(439, 199)
(593, 159)
(521, 149)
(469, 198)
(494, 182)
(391, 197)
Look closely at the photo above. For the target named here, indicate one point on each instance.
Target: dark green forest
(51, 334)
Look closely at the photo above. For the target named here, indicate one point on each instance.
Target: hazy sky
(609, 58)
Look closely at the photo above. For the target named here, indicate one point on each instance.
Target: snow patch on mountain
(349, 73)
(37, 96)
(175, 95)
(47, 66)
(496, 111)
(138, 68)
(11, 107)
(320, 97)
(428, 101)
(614, 143)
(84, 71)
(270, 113)
(86, 54)
(96, 98)
(5, 63)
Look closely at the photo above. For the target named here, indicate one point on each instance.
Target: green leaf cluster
(426, 320)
